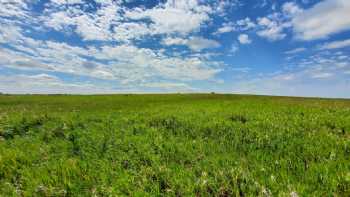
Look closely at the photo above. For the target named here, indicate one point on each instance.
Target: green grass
(174, 145)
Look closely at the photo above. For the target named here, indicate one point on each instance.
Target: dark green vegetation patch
(174, 145)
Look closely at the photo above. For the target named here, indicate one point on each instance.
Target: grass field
(174, 145)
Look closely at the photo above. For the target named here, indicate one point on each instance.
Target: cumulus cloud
(178, 16)
(245, 24)
(126, 63)
(272, 28)
(222, 7)
(90, 26)
(226, 27)
(199, 43)
(146, 63)
(112, 21)
(291, 8)
(194, 43)
(325, 18)
(244, 39)
(123, 62)
(240, 25)
(174, 41)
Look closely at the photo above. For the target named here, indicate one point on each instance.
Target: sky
(269, 47)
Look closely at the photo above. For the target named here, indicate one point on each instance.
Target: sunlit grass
(174, 145)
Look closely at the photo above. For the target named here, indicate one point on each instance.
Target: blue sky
(292, 47)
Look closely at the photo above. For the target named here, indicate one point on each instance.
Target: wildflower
(273, 178)
(294, 194)
(266, 192)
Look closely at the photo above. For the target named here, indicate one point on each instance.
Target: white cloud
(323, 65)
(273, 26)
(113, 22)
(125, 63)
(268, 85)
(272, 29)
(325, 18)
(90, 26)
(43, 77)
(223, 7)
(16, 59)
(291, 8)
(47, 84)
(131, 63)
(245, 24)
(9, 33)
(313, 80)
(130, 30)
(174, 41)
(180, 16)
(59, 20)
(296, 50)
(67, 2)
(244, 39)
(199, 43)
(336, 44)
(194, 43)
(14, 8)
(321, 75)
(234, 48)
(226, 27)
(240, 25)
